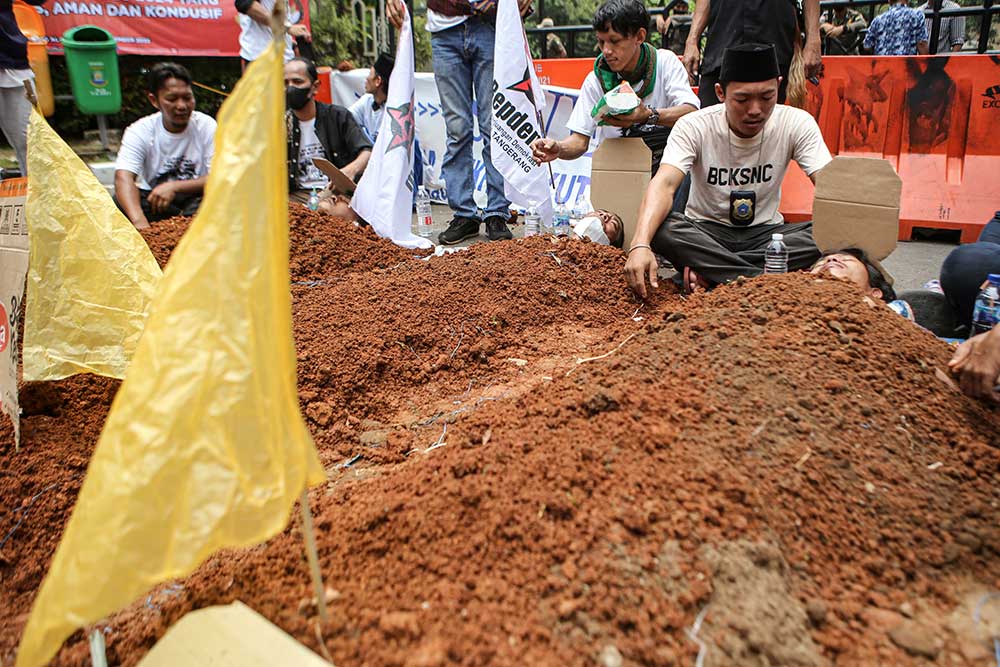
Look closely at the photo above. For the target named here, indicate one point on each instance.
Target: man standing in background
(734, 22)
(462, 37)
(841, 29)
(14, 71)
(255, 29)
(951, 36)
(368, 110)
(900, 31)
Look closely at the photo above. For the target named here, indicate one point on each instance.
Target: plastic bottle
(532, 222)
(313, 203)
(986, 313)
(776, 255)
(424, 218)
(560, 220)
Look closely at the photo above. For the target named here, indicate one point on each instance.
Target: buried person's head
(748, 87)
(854, 266)
(602, 227)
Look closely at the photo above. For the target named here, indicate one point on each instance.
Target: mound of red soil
(780, 454)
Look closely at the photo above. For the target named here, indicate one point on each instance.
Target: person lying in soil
(737, 153)
(317, 130)
(977, 364)
(657, 77)
(601, 226)
(854, 265)
(164, 158)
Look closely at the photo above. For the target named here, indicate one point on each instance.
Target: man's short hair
(625, 17)
(310, 68)
(161, 72)
(875, 278)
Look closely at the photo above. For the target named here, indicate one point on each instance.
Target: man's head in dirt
(855, 266)
(377, 83)
(748, 87)
(621, 27)
(169, 90)
(601, 226)
(301, 84)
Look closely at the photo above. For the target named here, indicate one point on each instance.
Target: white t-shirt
(367, 116)
(255, 38)
(15, 78)
(437, 22)
(157, 156)
(309, 175)
(672, 88)
(721, 162)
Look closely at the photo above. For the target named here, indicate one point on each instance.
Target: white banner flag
(384, 196)
(517, 101)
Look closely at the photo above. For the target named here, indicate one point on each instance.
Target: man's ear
(153, 101)
(875, 293)
(641, 33)
(721, 94)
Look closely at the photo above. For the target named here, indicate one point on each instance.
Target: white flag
(517, 101)
(385, 193)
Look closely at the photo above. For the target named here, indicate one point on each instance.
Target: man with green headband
(656, 76)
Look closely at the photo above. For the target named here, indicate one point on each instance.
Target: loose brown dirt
(779, 456)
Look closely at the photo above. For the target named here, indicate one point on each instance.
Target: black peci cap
(749, 63)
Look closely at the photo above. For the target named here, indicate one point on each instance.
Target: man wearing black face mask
(318, 130)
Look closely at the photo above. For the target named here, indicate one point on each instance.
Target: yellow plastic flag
(204, 447)
(91, 276)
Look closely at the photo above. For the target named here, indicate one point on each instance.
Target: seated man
(737, 153)
(965, 269)
(657, 76)
(367, 111)
(318, 130)
(164, 158)
(977, 364)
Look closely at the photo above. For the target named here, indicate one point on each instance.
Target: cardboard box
(857, 206)
(230, 636)
(619, 178)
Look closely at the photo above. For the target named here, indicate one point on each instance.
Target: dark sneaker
(496, 229)
(458, 230)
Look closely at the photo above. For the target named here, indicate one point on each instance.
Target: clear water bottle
(532, 223)
(313, 203)
(560, 220)
(986, 313)
(424, 218)
(580, 209)
(776, 255)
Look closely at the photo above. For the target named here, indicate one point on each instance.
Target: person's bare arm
(260, 15)
(977, 364)
(546, 150)
(812, 56)
(163, 194)
(655, 206)
(357, 167)
(127, 193)
(922, 49)
(692, 50)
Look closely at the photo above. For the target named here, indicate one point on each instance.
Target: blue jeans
(967, 266)
(463, 66)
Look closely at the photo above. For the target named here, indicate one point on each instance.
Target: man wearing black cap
(369, 107)
(737, 154)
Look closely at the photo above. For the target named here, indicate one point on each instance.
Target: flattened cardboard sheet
(339, 182)
(857, 206)
(619, 178)
(228, 636)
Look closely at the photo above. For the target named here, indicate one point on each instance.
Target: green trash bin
(92, 60)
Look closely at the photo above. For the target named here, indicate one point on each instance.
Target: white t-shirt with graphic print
(721, 162)
(309, 175)
(157, 156)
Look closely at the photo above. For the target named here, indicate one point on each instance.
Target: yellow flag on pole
(91, 276)
(204, 447)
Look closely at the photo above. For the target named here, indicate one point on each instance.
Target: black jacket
(13, 45)
(339, 134)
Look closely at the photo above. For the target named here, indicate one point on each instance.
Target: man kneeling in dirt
(737, 153)
(164, 158)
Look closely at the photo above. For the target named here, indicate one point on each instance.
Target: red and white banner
(157, 27)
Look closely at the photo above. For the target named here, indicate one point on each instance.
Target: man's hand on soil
(977, 364)
(641, 263)
(162, 196)
(141, 223)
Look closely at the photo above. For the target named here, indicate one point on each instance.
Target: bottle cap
(777, 237)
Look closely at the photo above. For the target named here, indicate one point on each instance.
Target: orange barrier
(324, 94)
(934, 118)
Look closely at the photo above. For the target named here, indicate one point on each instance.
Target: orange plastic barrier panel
(324, 94)
(563, 72)
(934, 118)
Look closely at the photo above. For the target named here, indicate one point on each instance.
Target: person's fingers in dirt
(961, 356)
(652, 267)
